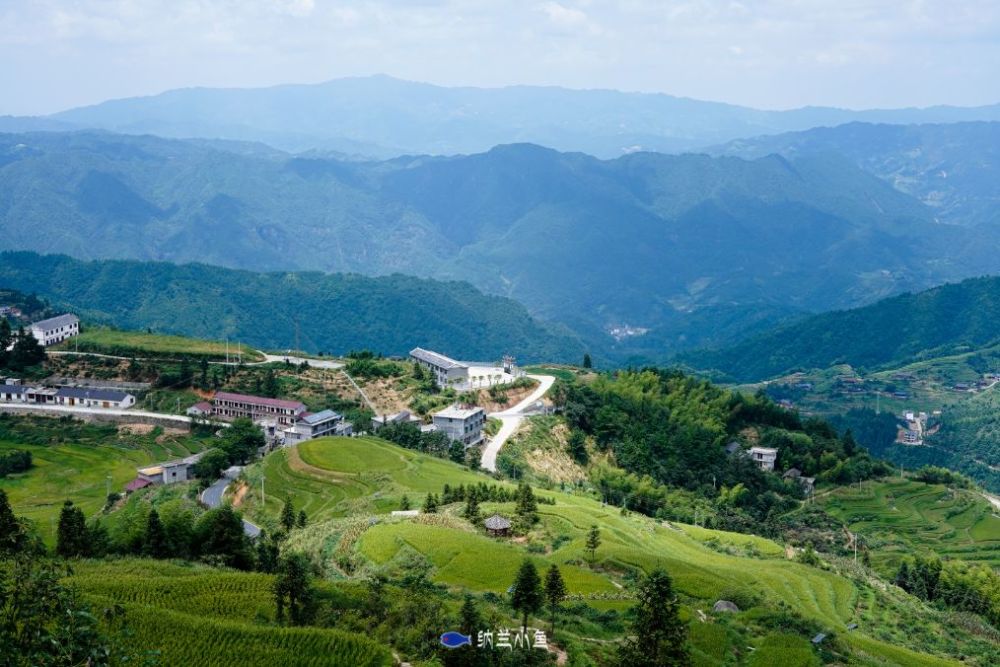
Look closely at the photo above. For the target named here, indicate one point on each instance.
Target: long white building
(55, 329)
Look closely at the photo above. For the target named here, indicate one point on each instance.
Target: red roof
(137, 483)
(203, 406)
(259, 400)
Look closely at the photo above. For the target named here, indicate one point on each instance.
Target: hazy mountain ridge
(952, 168)
(652, 241)
(381, 117)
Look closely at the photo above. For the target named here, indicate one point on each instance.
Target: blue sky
(767, 53)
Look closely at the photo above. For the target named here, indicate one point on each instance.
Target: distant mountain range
(330, 313)
(890, 333)
(686, 250)
(953, 168)
(382, 117)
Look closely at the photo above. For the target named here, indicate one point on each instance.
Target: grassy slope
(79, 471)
(900, 516)
(192, 614)
(369, 474)
(139, 344)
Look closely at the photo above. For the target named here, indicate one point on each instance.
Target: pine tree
(11, 532)
(288, 515)
(430, 504)
(154, 543)
(71, 536)
(587, 362)
(658, 637)
(527, 506)
(578, 446)
(302, 520)
(472, 508)
(267, 553)
(593, 541)
(293, 588)
(404, 503)
(6, 338)
(555, 592)
(270, 386)
(456, 451)
(527, 596)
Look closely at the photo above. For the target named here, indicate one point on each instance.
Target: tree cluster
(17, 460)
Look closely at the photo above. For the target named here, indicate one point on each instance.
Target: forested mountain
(334, 313)
(380, 116)
(889, 333)
(688, 249)
(952, 168)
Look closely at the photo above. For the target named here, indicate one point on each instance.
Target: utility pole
(108, 485)
(263, 498)
(855, 548)
(227, 351)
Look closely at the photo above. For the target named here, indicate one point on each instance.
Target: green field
(341, 477)
(898, 517)
(141, 344)
(197, 615)
(79, 463)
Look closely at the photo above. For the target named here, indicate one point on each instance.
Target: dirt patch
(389, 395)
(514, 396)
(241, 492)
(135, 429)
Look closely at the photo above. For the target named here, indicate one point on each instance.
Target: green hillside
(950, 319)
(690, 249)
(332, 313)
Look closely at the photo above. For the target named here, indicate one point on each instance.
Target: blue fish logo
(455, 639)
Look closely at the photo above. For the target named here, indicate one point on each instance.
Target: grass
(900, 516)
(196, 615)
(370, 474)
(141, 344)
(78, 462)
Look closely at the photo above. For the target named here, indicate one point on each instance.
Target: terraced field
(898, 517)
(195, 615)
(371, 473)
(118, 343)
(81, 472)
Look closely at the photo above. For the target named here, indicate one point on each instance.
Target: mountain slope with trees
(892, 332)
(687, 250)
(332, 312)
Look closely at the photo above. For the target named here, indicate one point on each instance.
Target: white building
(401, 417)
(764, 457)
(171, 472)
(81, 397)
(446, 371)
(56, 329)
(318, 425)
(461, 423)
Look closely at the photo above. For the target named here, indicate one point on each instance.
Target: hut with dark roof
(497, 526)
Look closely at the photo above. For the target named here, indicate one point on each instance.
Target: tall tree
(293, 589)
(301, 521)
(527, 506)
(430, 504)
(472, 508)
(593, 541)
(587, 361)
(527, 596)
(456, 451)
(154, 543)
(6, 339)
(71, 536)
(270, 386)
(11, 531)
(577, 443)
(555, 592)
(26, 351)
(658, 637)
(219, 537)
(268, 551)
(288, 515)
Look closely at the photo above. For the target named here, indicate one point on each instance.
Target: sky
(772, 54)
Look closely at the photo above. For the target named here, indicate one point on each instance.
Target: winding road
(511, 419)
(212, 497)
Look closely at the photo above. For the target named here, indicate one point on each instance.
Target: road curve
(212, 497)
(511, 419)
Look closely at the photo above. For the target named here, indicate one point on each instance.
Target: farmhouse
(199, 409)
(465, 375)
(401, 417)
(309, 425)
(462, 423)
(171, 472)
(68, 396)
(56, 329)
(764, 457)
(257, 408)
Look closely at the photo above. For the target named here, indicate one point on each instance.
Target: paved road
(212, 497)
(268, 358)
(76, 410)
(511, 419)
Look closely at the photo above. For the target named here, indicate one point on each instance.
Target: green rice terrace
(82, 462)
(141, 344)
(348, 486)
(897, 517)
